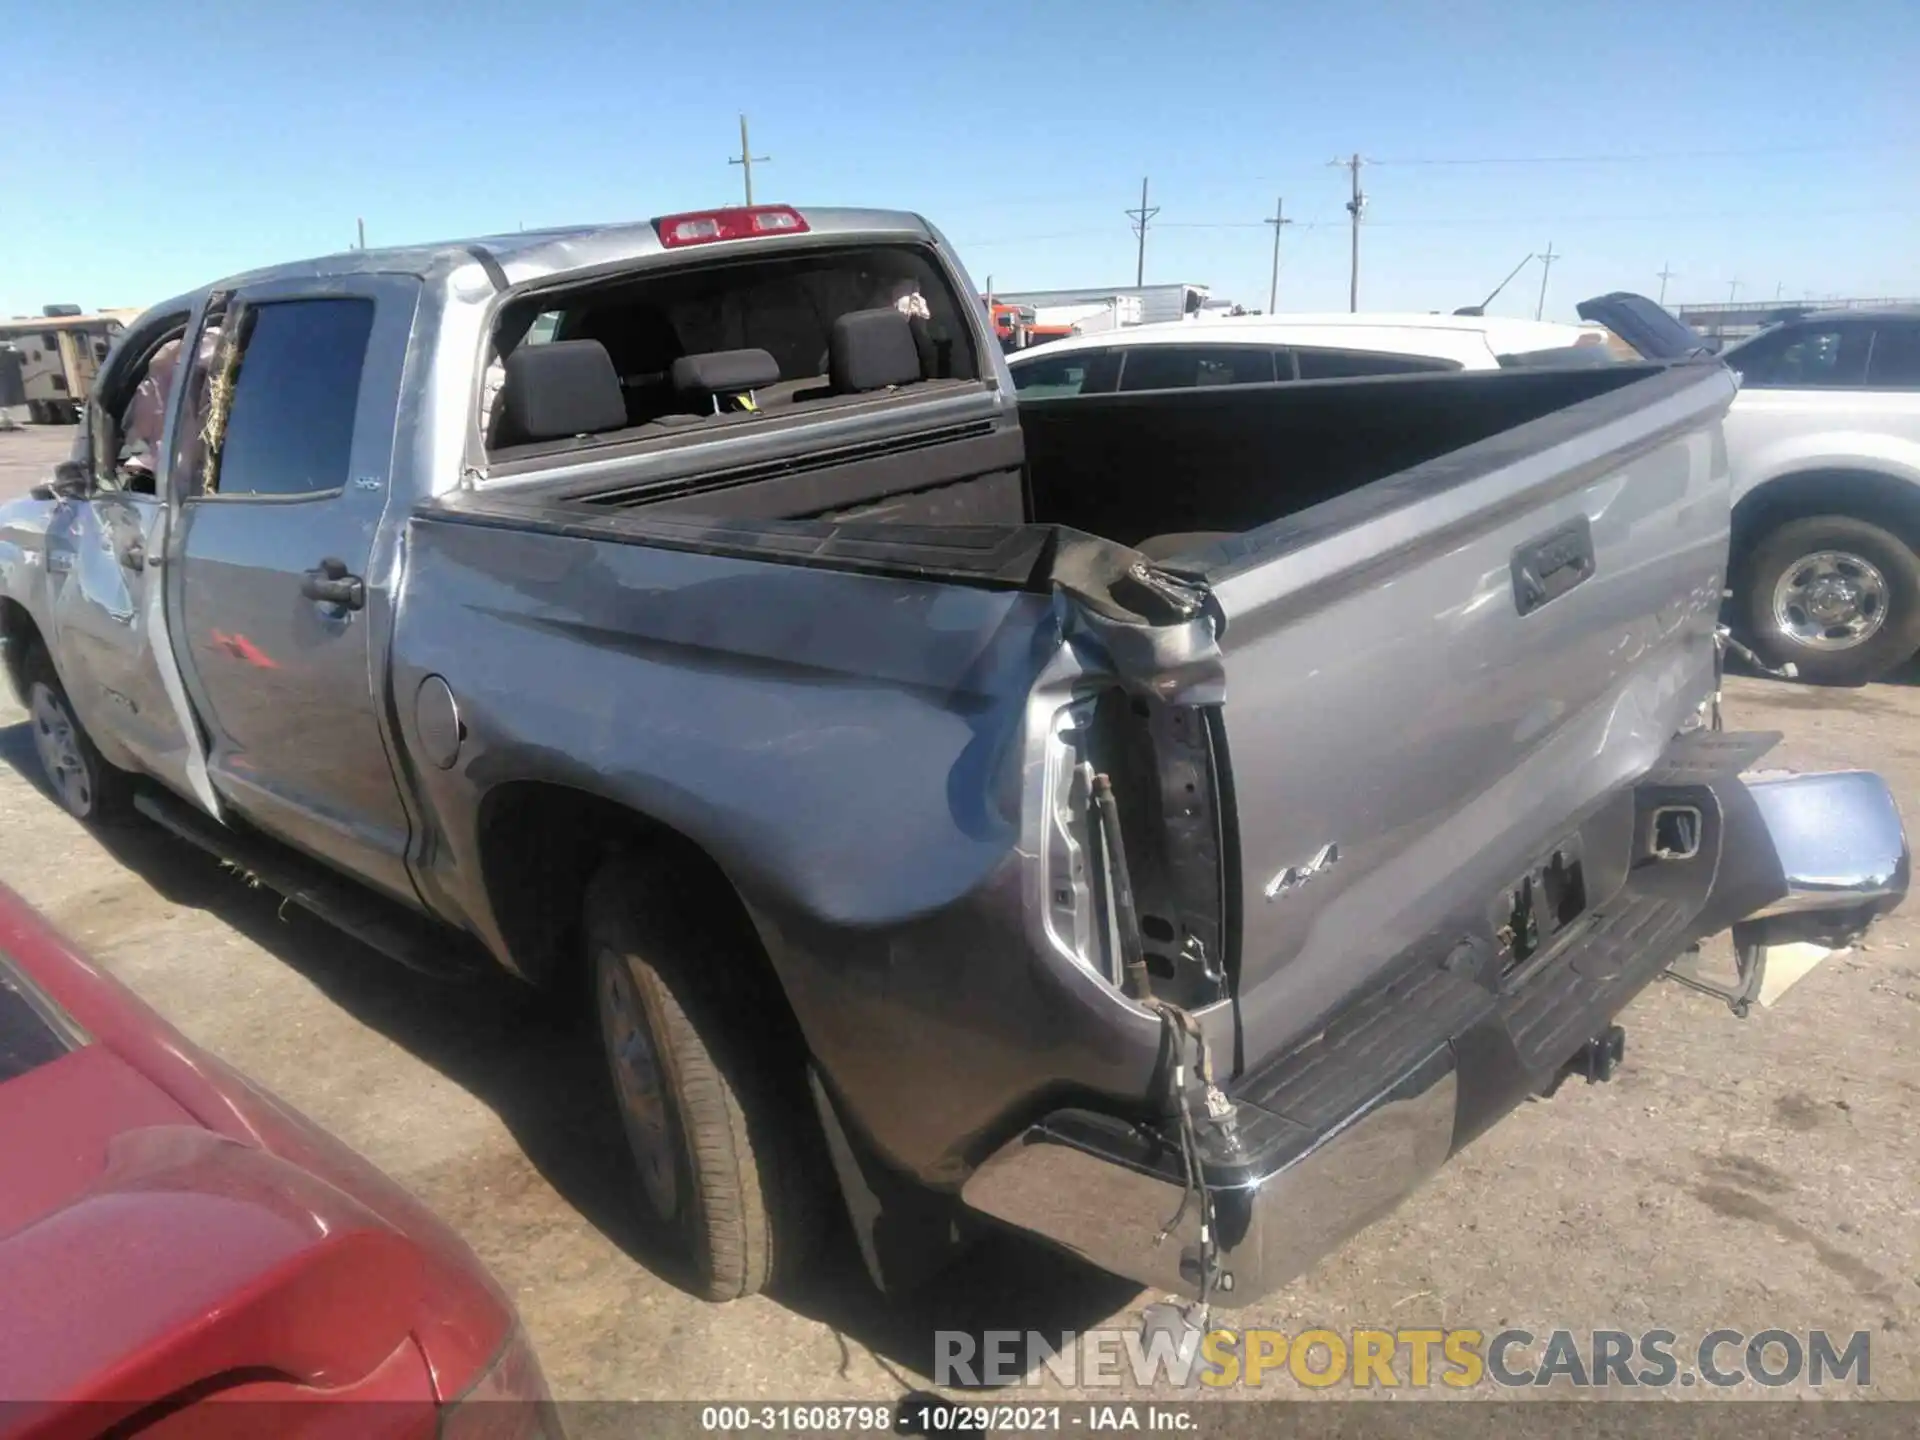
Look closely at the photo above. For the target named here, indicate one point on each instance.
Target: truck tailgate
(1431, 681)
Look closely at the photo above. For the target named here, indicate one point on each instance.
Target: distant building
(1730, 321)
(1157, 302)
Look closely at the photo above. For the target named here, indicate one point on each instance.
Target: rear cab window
(275, 387)
(762, 328)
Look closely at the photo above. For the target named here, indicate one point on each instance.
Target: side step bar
(398, 933)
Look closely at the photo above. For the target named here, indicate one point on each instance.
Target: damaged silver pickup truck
(1169, 823)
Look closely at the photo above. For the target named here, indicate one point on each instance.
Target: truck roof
(536, 254)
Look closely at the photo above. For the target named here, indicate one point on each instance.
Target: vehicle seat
(723, 381)
(557, 391)
(872, 350)
(643, 344)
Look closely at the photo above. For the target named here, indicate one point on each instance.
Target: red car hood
(199, 1255)
(165, 1227)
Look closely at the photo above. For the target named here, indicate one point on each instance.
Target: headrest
(870, 350)
(558, 390)
(724, 372)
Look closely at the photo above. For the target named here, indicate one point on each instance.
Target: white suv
(1823, 440)
(1823, 443)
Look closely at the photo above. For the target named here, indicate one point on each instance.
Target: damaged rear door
(1429, 681)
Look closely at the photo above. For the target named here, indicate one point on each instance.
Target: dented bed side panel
(857, 752)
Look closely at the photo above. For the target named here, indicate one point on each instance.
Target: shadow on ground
(536, 1063)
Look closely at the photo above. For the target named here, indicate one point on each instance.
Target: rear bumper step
(1329, 1137)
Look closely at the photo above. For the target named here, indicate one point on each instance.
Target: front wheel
(1838, 598)
(81, 779)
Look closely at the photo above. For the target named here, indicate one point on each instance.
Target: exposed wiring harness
(1183, 1033)
(1180, 1028)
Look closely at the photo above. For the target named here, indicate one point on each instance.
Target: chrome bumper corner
(1839, 840)
(1083, 1182)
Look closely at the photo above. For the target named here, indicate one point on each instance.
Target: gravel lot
(1739, 1175)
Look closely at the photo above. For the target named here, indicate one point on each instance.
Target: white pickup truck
(1823, 446)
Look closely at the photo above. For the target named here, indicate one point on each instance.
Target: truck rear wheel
(714, 1104)
(86, 786)
(1836, 597)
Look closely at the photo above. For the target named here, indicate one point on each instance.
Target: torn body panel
(865, 756)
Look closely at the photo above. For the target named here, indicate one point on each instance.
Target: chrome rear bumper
(1838, 836)
(1290, 1182)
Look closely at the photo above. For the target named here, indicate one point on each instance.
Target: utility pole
(1357, 204)
(1733, 288)
(746, 159)
(362, 223)
(1140, 218)
(1278, 219)
(1777, 289)
(1546, 269)
(1665, 275)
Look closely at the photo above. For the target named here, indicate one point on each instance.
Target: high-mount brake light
(701, 227)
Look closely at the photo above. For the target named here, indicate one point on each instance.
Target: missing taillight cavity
(1158, 761)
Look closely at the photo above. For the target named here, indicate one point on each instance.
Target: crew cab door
(104, 552)
(278, 612)
(1430, 682)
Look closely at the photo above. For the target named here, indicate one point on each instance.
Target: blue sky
(1773, 144)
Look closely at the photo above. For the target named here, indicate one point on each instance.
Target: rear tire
(712, 1092)
(1836, 597)
(87, 787)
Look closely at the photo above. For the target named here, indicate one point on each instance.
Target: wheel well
(1863, 494)
(540, 846)
(18, 634)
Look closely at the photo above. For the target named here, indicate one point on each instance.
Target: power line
(1278, 222)
(1546, 269)
(1645, 156)
(746, 159)
(1625, 217)
(1140, 218)
(1354, 206)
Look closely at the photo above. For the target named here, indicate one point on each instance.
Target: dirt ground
(1742, 1175)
